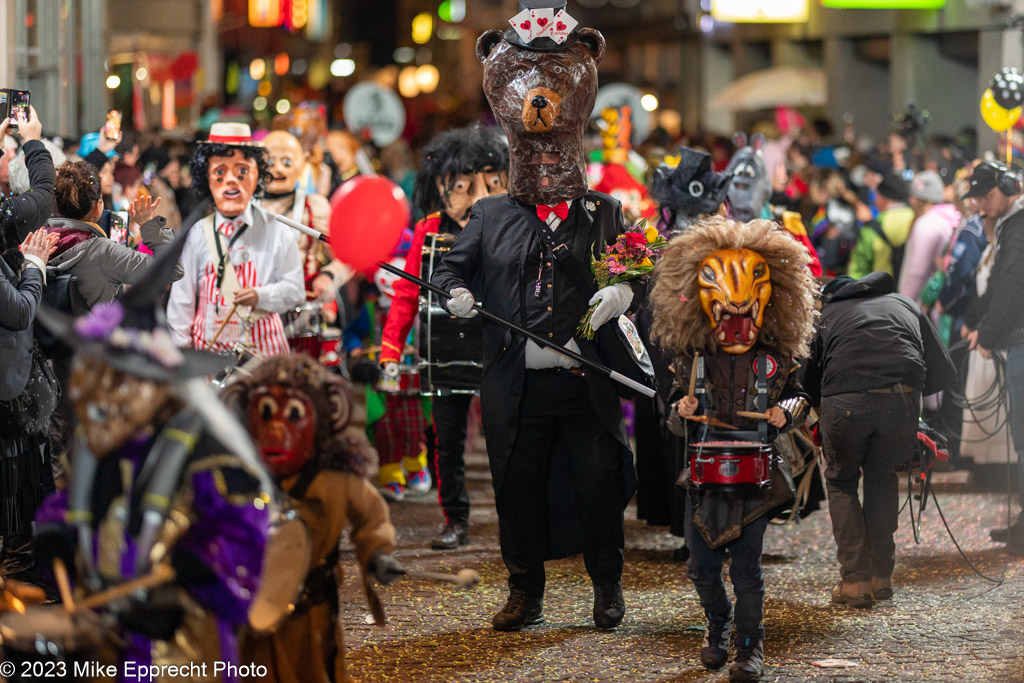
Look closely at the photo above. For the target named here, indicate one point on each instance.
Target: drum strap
(306, 477)
(700, 384)
(762, 394)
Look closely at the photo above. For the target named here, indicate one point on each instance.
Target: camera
(914, 121)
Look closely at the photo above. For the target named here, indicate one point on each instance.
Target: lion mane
(680, 324)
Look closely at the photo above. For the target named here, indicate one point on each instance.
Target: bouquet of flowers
(631, 256)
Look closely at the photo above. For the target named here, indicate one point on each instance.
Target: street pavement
(944, 623)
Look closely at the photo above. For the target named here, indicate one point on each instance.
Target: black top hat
(691, 187)
(542, 44)
(130, 332)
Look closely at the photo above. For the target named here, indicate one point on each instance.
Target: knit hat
(927, 186)
(894, 187)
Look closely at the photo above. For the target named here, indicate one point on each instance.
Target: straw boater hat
(231, 133)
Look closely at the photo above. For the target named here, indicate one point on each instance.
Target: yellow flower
(647, 262)
(651, 234)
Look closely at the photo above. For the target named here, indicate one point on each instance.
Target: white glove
(611, 303)
(462, 302)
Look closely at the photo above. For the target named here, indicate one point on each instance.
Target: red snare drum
(407, 383)
(330, 349)
(722, 462)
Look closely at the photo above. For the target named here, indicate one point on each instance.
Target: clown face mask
(282, 422)
(465, 189)
(287, 161)
(233, 180)
(735, 288)
(113, 406)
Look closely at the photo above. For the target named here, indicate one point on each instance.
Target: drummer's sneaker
(749, 663)
(393, 492)
(418, 483)
(714, 651)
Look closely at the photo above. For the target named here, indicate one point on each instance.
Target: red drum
(406, 384)
(330, 352)
(722, 462)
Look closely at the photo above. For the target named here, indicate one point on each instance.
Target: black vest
(553, 308)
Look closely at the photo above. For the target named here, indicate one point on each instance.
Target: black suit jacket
(19, 299)
(489, 258)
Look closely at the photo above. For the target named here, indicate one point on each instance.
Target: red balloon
(368, 214)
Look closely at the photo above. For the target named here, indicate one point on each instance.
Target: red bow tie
(561, 210)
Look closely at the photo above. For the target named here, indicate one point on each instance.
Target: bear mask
(543, 101)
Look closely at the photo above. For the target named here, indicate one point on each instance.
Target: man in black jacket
(560, 461)
(874, 355)
(996, 320)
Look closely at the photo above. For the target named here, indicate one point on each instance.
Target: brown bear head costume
(542, 94)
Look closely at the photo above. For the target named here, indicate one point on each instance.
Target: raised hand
(143, 209)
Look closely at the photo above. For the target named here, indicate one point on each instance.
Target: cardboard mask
(543, 98)
(287, 161)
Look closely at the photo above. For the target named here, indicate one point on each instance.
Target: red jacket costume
(405, 303)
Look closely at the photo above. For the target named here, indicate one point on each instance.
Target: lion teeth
(726, 316)
(752, 335)
(721, 336)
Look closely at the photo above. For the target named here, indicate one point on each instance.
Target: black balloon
(1008, 88)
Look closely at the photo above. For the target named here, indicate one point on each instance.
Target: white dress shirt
(265, 257)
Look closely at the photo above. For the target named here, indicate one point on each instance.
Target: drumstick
(60, 573)
(159, 576)
(713, 421)
(220, 329)
(693, 376)
(466, 578)
(752, 415)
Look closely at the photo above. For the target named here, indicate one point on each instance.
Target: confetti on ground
(943, 621)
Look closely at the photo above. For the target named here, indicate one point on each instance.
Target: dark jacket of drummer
(718, 520)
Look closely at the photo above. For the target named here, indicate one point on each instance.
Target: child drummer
(739, 298)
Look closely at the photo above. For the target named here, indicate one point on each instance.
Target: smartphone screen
(18, 106)
(3, 104)
(112, 128)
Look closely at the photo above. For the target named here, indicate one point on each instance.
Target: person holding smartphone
(23, 214)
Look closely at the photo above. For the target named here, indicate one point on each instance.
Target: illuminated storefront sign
(884, 4)
(759, 11)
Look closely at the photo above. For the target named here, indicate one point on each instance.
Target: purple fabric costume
(228, 536)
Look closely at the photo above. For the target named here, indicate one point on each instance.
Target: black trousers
(873, 434)
(556, 414)
(450, 415)
(705, 570)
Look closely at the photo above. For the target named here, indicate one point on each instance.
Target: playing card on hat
(543, 21)
(563, 24)
(523, 25)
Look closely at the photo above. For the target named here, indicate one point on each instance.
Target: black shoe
(452, 536)
(519, 611)
(749, 663)
(714, 651)
(609, 607)
(1004, 535)
(681, 554)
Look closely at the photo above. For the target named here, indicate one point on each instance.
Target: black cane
(536, 338)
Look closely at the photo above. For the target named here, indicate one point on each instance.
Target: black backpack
(61, 294)
(897, 252)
